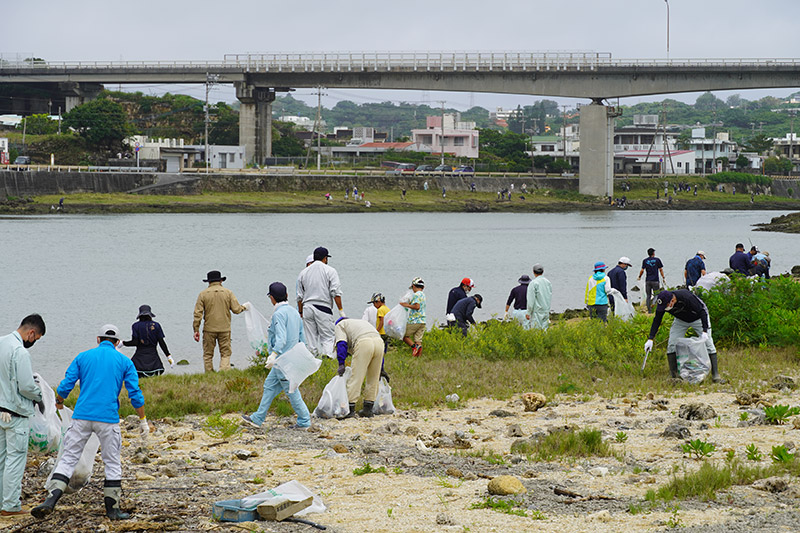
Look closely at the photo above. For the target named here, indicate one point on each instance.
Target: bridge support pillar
(597, 149)
(78, 93)
(255, 121)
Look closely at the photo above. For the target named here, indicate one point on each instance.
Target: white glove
(505, 315)
(704, 337)
(247, 305)
(144, 426)
(341, 313)
(5, 418)
(271, 360)
(450, 317)
(171, 361)
(648, 346)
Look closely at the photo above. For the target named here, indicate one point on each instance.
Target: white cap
(701, 252)
(109, 330)
(625, 261)
(310, 259)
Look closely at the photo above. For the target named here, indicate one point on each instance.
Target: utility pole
(564, 128)
(441, 143)
(59, 120)
(317, 126)
(210, 80)
(667, 2)
(714, 140)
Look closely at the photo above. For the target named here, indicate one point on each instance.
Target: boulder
(676, 431)
(501, 413)
(533, 401)
(696, 411)
(783, 382)
(514, 430)
(771, 484)
(340, 448)
(505, 485)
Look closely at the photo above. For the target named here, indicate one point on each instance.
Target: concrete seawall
(33, 183)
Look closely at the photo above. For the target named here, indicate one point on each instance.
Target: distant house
(652, 162)
(458, 138)
(179, 155)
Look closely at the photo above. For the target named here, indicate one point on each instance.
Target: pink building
(458, 138)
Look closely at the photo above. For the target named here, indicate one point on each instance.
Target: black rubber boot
(112, 491)
(672, 361)
(715, 369)
(59, 486)
(366, 410)
(352, 412)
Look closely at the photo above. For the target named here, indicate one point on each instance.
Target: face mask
(28, 344)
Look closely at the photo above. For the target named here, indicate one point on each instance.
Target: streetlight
(667, 2)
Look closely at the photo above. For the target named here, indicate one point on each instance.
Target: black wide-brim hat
(213, 276)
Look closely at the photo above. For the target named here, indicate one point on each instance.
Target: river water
(81, 272)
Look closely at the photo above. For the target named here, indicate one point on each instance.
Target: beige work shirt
(352, 329)
(214, 305)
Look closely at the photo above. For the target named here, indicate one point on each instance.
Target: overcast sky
(209, 29)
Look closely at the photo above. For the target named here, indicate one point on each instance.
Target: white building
(303, 122)
(458, 138)
(709, 150)
(179, 155)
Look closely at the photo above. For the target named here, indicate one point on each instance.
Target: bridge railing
(397, 61)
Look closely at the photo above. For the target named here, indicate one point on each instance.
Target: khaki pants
(210, 340)
(367, 360)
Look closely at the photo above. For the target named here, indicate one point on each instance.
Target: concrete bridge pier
(597, 150)
(77, 94)
(255, 121)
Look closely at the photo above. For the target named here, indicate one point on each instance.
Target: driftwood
(579, 497)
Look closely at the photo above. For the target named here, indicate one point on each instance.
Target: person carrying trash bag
(285, 331)
(689, 312)
(101, 371)
(360, 338)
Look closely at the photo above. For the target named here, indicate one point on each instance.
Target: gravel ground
(437, 465)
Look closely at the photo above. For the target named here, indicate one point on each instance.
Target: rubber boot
(366, 410)
(59, 482)
(672, 361)
(714, 368)
(112, 491)
(352, 412)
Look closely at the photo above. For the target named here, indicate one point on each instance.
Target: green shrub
(742, 178)
(698, 448)
(369, 469)
(584, 443)
(221, 428)
(779, 414)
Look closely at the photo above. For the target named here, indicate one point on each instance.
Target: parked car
(402, 168)
(443, 169)
(424, 168)
(464, 169)
(22, 160)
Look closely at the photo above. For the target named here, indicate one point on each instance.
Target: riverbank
(539, 201)
(784, 224)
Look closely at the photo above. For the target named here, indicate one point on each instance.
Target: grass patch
(501, 506)
(561, 444)
(221, 428)
(369, 469)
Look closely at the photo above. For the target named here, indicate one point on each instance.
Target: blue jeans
(276, 383)
(13, 454)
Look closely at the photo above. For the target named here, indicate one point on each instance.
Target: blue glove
(341, 369)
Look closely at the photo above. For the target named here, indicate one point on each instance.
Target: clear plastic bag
(45, 432)
(257, 328)
(622, 309)
(395, 321)
(383, 401)
(297, 364)
(83, 470)
(334, 403)
(693, 361)
(292, 491)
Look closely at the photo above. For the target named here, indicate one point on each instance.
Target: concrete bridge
(595, 76)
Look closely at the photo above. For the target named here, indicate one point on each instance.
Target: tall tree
(102, 122)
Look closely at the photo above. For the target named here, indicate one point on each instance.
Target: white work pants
(318, 327)
(75, 439)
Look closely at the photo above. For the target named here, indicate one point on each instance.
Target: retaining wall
(33, 183)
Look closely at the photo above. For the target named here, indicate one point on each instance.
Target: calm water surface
(80, 272)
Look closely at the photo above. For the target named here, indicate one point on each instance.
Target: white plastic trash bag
(45, 432)
(395, 321)
(693, 362)
(257, 328)
(83, 470)
(333, 402)
(292, 491)
(383, 401)
(297, 364)
(711, 279)
(622, 309)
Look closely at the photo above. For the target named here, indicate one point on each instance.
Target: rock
(242, 454)
(141, 476)
(514, 430)
(789, 445)
(169, 470)
(696, 411)
(783, 382)
(437, 433)
(444, 519)
(743, 398)
(454, 472)
(409, 462)
(208, 458)
(660, 405)
(598, 471)
(452, 398)
(389, 429)
(530, 474)
(140, 458)
(369, 450)
(676, 431)
(189, 435)
(470, 476)
(650, 396)
(796, 422)
(412, 431)
(505, 485)
(473, 421)
(421, 446)
(630, 411)
(533, 401)
(501, 413)
(340, 448)
(771, 484)
(601, 516)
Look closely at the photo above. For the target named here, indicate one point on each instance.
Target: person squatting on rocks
(518, 297)
(415, 326)
(652, 266)
(146, 334)
(285, 331)
(360, 338)
(689, 312)
(540, 294)
(102, 371)
(214, 307)
(463, 311)
(596, 296)
(19, 393)
(318, 289)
